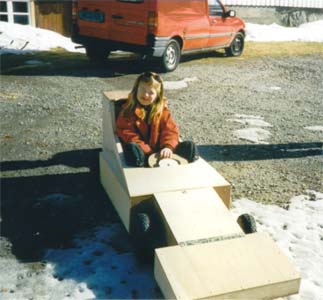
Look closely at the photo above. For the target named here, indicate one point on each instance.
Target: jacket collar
(139, 112)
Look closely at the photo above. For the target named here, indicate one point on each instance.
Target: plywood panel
(111, 144)
(109, 99)
(108, 123)
(54, 16)
(116, 95)
(224, 192)
(196, 214)
(116, 190)
(250, 267)
(199, 174)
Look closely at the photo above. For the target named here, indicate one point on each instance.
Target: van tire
(171, 56)
(96, 53)
(237, 45)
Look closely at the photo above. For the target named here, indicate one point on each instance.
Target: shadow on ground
(260, 152)
(62, 63)
(46, 211)
(49, 211)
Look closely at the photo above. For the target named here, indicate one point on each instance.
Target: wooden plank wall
(55, 16)
(277, 3)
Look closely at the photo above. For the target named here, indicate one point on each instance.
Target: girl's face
(146, 93)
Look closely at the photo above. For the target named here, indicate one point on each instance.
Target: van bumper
(155, 45)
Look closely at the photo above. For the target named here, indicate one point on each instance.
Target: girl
(145, 125)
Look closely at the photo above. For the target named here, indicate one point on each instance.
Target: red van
(160, 29)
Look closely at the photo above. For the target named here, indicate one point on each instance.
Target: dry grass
(255, 50)
(274, 49)
(59, 59)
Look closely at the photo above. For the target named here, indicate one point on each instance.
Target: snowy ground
(255, 133)
(94, 269)
(298, 230)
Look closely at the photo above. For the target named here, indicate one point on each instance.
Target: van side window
(215, 8)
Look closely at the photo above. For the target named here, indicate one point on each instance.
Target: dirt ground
(51, 133)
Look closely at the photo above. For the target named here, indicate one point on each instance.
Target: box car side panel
(117, 193)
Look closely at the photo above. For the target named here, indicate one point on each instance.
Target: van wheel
(237, 45)
(96, 53)
(171, 56)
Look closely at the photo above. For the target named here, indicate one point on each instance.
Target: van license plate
(91, 16)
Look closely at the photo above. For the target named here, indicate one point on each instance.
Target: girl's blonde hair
(155, 80)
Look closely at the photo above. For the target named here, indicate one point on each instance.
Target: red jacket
(163, 132)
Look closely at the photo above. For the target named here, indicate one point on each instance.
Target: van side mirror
(231, 13)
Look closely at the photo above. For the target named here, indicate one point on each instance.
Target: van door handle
(117, 17)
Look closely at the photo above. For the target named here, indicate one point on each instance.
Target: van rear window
(132, 1)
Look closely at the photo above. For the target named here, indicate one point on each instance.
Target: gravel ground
(51, 135)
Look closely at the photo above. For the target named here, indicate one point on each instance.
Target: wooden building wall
(277, 3)
(54, 16)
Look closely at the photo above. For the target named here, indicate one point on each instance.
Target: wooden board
(195, 214)
(55, 16)
(199, 174)
(108, 124)
(115, 186)
(116, 95)
(112, 148)
(116, 189)
(250, 267)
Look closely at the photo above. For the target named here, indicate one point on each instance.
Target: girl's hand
(166, 153)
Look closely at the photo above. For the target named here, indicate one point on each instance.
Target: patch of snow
(21, 39)
(275, 88)
(190, 79)
(314, 128)
(308, 32)
(255, 135)
(35, 62)
(93, 269)
(107, 272)
(179, 84)
(243, 116)
(251, 120)
(298, 231)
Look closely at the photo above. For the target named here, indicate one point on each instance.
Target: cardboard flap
(250, 267)
(196, 214)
